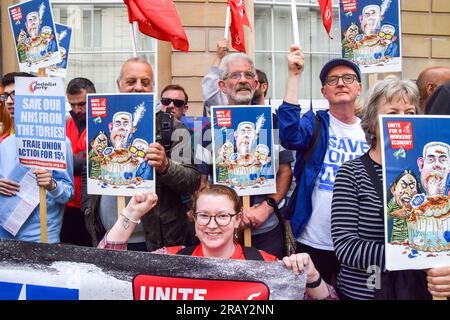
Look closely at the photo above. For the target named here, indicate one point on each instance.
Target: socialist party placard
(39, 122)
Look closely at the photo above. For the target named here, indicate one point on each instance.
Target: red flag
(238, 19)
(158, 19)
(327, 14)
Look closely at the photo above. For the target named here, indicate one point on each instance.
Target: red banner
(326, 11)
(146, 287)
(400, 134)
(158, 19)
(238, 19)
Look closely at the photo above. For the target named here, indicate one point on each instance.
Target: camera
(164, 132)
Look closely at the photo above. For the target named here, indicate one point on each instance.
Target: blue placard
(120, 129)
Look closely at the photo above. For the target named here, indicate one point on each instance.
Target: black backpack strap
(376, 181)
(307, 155)
(251, 253)
(187, 251)
(374, 178)
(312, 145)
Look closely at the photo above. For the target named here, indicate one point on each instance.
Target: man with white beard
(239, 81)
(120, 129)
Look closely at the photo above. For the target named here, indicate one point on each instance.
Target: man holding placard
(238, 81)
(167, 224)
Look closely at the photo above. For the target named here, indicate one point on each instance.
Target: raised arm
(295, 132)
(141, 203)
(212, 95)
(296, 64)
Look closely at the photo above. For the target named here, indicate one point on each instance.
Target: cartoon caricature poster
(416, 158)
(63, 35)
(371, 35)
(34, 35)
(119, 129)
(243, 148)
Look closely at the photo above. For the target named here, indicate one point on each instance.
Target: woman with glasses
(357, 216)
(217, 213)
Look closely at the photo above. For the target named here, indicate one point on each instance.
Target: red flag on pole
(327, 14)
(158, 19)
(238, 19)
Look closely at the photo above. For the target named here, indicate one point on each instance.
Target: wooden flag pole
(120, 205)
(295, 22)
(227, 23)
(43, 193)
(43, 213)
(247, 231)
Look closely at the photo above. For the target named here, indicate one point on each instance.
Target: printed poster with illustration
(416, 167)
(64, 36)
(34, 35)
(119, 129)
(243, 148)
(371, 34)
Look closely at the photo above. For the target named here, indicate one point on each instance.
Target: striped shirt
(357, 229)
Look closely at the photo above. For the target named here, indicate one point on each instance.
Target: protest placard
(63, 36)
(119, 129)
(39, 122)
(243, 156)
(371, 34)
(34, 35)
(416, 167)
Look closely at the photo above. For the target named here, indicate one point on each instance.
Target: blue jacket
(296, 134)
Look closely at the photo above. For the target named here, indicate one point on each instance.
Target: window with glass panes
(273, 37)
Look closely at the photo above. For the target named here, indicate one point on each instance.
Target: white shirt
(346, 142)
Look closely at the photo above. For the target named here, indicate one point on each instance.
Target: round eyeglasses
(221, 219)
(238, 74)
(346, 79)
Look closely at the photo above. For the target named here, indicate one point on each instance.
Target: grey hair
(385, 91)
(436, 143)
(223, 68)
(134, 59)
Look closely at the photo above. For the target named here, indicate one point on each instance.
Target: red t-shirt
(238, 253)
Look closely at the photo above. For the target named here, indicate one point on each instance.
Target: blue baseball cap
(338, 62)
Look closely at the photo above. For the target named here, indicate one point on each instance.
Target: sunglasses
(136, 151)
(176, 102)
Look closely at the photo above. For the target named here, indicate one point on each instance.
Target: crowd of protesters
(338, 233)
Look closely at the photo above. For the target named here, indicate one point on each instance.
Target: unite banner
(35, 271)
